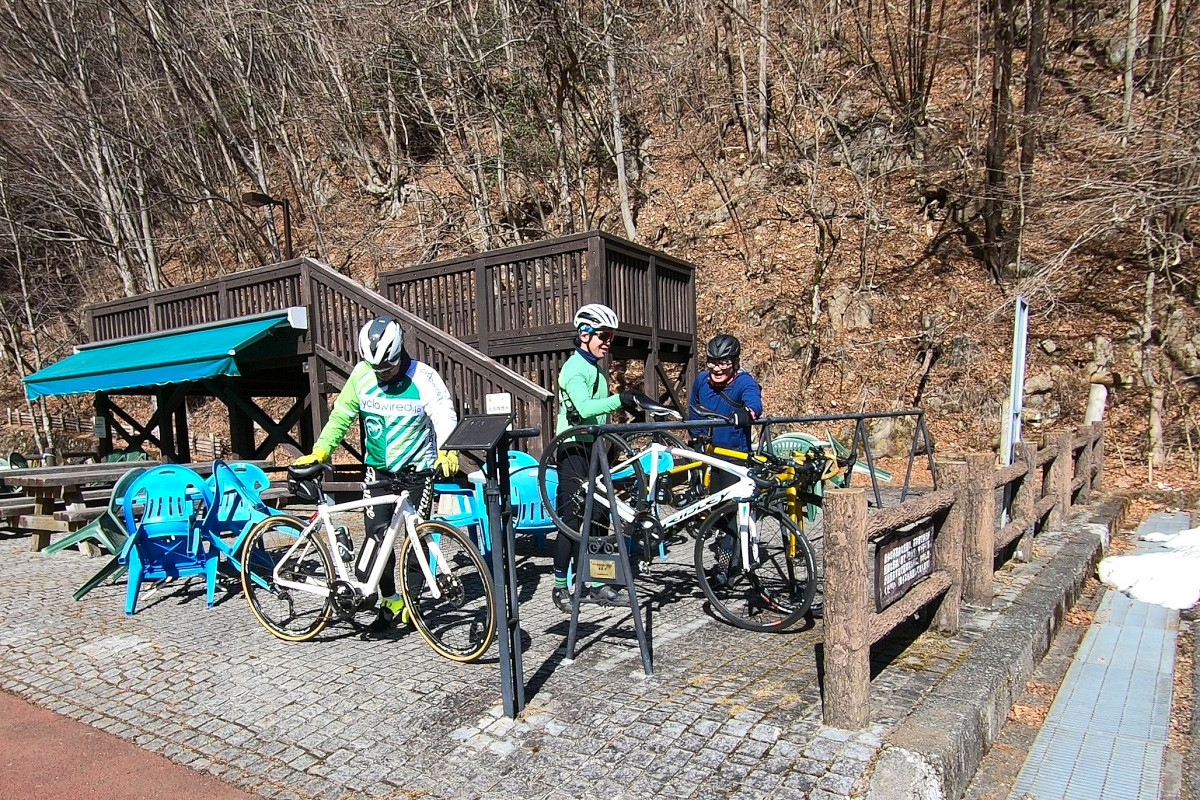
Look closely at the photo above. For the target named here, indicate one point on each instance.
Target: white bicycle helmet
(594, 317)
(381, 343)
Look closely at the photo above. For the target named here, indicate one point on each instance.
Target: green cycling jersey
(583, 386)
(403, 421)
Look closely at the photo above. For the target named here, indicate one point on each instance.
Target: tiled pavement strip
(727, 713)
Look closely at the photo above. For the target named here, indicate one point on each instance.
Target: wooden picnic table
(47, 486)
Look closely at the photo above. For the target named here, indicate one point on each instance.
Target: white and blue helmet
(595, 317)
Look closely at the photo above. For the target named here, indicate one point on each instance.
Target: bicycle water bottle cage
(305, 482)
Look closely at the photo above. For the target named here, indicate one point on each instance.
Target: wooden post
(1097, 455)
(1028, 491)
(979, 529)
(1083, 465)
(1060, 480)
(950, 551)
(848, 608)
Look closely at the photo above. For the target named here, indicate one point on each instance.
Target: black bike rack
(491, 434)
(605, 560)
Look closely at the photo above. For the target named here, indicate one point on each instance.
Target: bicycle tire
(778, 589)
(460, 624)
(635, 486)
(290, 614)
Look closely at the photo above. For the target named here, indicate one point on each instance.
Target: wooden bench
(79, 515)
(276, 496)
(13, 508)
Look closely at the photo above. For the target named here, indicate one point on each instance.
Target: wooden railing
(1039, 491)
(337, 308)
(517, 304)
(68, 423)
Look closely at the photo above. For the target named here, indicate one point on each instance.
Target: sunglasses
(723, 362)
(605, 336)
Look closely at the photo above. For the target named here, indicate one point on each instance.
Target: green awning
(154, 360)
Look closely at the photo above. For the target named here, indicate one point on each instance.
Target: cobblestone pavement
(727, 713)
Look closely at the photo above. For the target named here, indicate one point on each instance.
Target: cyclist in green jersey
(406, 412)
(583, 399)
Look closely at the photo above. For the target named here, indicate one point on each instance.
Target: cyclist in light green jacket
(406, 412)
(583, 399)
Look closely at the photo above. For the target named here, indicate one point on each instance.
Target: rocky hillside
(864, 188)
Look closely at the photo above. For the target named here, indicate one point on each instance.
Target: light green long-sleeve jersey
(584, 386)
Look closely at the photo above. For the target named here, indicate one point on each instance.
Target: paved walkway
(1105, 737)
(727, 713)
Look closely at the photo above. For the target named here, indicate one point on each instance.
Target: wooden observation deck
(496, 322)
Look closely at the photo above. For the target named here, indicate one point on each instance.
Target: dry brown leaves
(1179, 738)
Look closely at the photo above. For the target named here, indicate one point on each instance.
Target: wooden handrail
(338, 306)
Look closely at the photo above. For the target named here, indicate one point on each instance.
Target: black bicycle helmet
(723, 346)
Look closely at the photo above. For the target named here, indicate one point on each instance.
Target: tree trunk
(1131, 40)
(995, 241)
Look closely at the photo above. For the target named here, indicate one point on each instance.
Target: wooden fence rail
(952, 538)
(24, 418)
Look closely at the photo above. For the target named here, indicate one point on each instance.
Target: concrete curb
(934, 753)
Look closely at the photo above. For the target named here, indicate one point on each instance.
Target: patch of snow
(1169, 576)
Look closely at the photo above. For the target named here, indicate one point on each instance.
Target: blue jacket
(743, 390)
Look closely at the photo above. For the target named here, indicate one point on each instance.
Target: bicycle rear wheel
(290, 613)
(775, 589)
(460, 623)
(629, 484)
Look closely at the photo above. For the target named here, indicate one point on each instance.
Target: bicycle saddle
(308, 471)
(656, 409)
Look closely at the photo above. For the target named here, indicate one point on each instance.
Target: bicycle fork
(428, 565)
(747, 536)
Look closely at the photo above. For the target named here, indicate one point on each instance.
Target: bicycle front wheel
(775, 588)
(292, 613)
(455, 613)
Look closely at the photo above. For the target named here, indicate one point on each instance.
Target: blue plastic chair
(168, 541)
(529, 515)
(237, 506)
(519, 459)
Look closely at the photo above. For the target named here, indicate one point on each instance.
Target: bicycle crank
(348, 600)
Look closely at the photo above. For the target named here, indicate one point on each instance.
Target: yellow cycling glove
(317, 455)
(447, 462)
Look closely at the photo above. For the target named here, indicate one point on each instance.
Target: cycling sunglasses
(605, 336)
(720, 362)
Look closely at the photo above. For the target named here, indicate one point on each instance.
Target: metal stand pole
(504, 573)
(596, 558)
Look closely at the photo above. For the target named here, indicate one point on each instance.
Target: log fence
(955, 536)
(67, 423)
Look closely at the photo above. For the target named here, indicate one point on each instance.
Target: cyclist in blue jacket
(727, 389)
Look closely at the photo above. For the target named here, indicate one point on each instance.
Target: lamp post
(258, 200)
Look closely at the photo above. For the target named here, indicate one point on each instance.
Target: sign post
(492, 433)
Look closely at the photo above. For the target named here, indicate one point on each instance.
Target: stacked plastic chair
(237, 506)
(108, 531)
(169, 539)
(529, 515)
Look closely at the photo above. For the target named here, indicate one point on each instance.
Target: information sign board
(901, 559)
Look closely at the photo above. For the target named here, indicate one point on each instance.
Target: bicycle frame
(404, 515)
(742, 491)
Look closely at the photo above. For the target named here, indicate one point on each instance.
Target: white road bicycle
(295, 585)
(753, 563)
